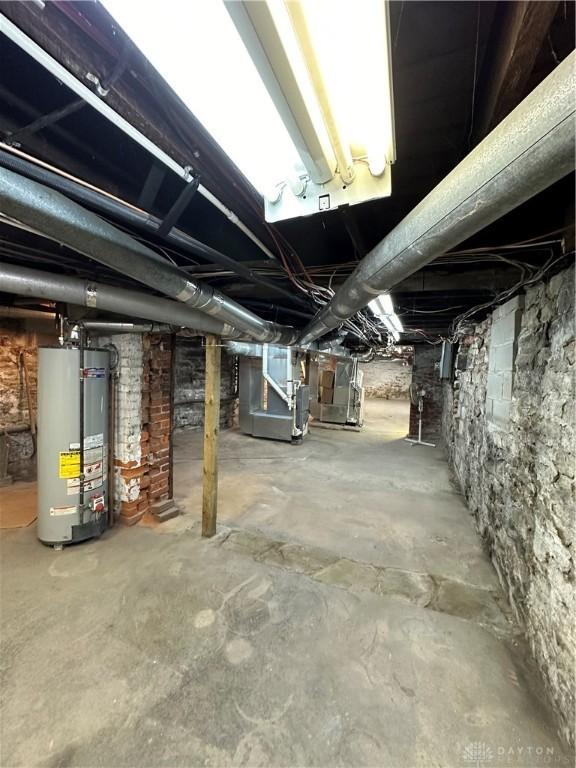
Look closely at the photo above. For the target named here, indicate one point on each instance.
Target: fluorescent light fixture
(395, 320)
(326, 65)
(386, 302)
(301, 100)
(194, 45)
(383, 307)
(348, 39)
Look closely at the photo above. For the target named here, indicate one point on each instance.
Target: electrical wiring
(519, 242)
(408, 311)
(457, 322)
(529, 274)
(428, 338)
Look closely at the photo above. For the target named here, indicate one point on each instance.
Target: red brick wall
(159, 425)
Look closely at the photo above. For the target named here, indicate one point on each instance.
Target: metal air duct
(108, 205)
(55, 216)
(72, 290)
(527, 152)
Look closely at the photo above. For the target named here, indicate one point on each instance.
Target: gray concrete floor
(344, 615)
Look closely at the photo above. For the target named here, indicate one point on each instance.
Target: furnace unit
(73, 393)
(336, 391)
(274, 402)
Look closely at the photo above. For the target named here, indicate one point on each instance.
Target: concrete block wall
(388, 379)
(506, 321)
(519, 480)
(425, 374)
(189, 385)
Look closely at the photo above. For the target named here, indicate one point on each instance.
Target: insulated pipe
(527, 152)
(72, 290)
(55, 216)
(108, 205)
(65, 77)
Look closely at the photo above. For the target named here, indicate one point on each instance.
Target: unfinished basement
(287, 392)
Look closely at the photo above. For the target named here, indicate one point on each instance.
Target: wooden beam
(211, 430)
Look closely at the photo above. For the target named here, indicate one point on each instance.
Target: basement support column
(211, 429)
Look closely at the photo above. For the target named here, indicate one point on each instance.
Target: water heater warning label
(56, 511)
(73, 485)
(93, 441)
(94, 373)
(69, 466)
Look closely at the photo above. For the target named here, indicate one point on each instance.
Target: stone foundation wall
(425, 374)
(189, 386)
(387, 379)
(519, 480)
(20, 339)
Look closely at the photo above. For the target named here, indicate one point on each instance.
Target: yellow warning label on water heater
(69, 464)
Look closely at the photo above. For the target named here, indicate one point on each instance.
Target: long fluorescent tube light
(195, 47)
(302, 104)
(326, 65)
(383, 307)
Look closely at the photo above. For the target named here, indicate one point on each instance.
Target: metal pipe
(527, 152)
(109, 205)
(244, 348)
(107, 328)
(63, 220)
(112, 445)
(82, 395)
(22, 313)
(273, 383)
(65, 77)
(72, 290)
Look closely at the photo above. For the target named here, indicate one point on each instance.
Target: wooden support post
(211, 429)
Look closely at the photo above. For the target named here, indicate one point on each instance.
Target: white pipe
(289, 387)
(273, 383)
(68, 79)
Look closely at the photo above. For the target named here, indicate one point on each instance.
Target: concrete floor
(344, 615)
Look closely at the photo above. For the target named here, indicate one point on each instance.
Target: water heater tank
(67, 512)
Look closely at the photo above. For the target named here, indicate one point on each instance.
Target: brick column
(158, 407)
(143, 423)
(129, 460)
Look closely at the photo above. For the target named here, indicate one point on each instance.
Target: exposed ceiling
(459, 67)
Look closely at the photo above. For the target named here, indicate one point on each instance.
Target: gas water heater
(73, 390)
